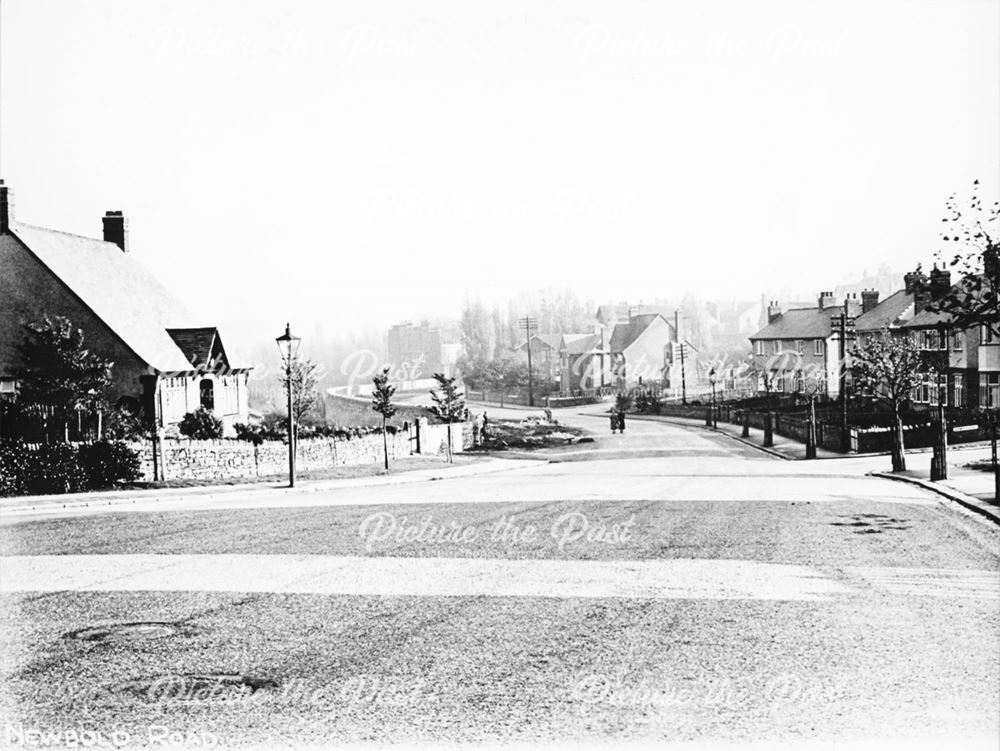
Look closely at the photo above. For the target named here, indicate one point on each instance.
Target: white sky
(324, 162)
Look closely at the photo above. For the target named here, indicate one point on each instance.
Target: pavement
(972, 488)
(669, 586)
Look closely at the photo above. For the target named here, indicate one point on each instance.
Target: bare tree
(972, 234)
(889, 368)
(305, 376)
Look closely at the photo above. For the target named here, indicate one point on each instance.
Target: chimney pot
(114, 229)
(773, 311)
(940, 283)
(869, 299)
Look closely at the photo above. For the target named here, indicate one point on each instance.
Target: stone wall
(233, 460)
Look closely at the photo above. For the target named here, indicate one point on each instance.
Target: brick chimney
(940, 283)
(853, 305)
(869, 299)
(913, 280)
(114, 229)
(826, 300)
(773, 311)
(5, 211)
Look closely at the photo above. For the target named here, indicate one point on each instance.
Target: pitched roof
(801, 323)
(542, 342)
(119, 290)
(886, 313)
(196, 344)
(626, 333)
(578, 344)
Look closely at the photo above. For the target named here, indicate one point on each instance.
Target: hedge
(65, 467)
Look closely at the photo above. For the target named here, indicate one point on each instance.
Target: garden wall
(231, 459)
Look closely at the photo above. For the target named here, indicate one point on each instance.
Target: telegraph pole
(680, 346)
(843, 323)
(528, 323)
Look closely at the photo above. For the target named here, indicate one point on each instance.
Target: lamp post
(712, 379)
(288, 345)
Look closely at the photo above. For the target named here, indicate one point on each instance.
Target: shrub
(64, 468)
(254, 434)
(107, 463)
(13, 469)
(54, 468)
(123, 425)
(201, 425)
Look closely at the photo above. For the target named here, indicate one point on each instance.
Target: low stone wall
(233, 460)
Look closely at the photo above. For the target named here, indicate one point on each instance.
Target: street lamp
(712, 379)
(288, 346)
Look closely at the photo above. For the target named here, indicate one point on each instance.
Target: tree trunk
(385, 444)
(898, 447)
(449, 441)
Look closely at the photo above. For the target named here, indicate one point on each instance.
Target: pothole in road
(195, 687)
(128, 632)
(871, 523)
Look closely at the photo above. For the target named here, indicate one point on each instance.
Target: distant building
(166, 361)
(417, 352)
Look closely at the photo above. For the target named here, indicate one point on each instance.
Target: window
(207, 389)
(230, 395)
(929, 339)
(958, 341)
(818, 347)
(777, 347)
(958, 391)
(800, 346)
(759, 345)
(989, 390)
(986, 335)
(174, 394)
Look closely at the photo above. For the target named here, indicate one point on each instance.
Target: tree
(889, 368)
(973, 239)
(58, 371)
(449, 403)
(304, 377)
(382, 392)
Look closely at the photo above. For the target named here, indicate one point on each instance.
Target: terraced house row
(798, 350)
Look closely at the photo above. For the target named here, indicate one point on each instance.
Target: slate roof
(196, 344)
(121, 292)
(801, 323)
(579, 344)
(887, 313)
(625, 334)
(550, 341)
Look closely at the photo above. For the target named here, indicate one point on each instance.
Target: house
(545, 357)
(955, 357)
(798, 350)
(581, 363)
(952, 355)
(166, 361)
(640, 352)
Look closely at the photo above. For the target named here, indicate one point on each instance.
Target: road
(668, 585)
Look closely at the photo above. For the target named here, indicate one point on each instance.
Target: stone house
(166, 361)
